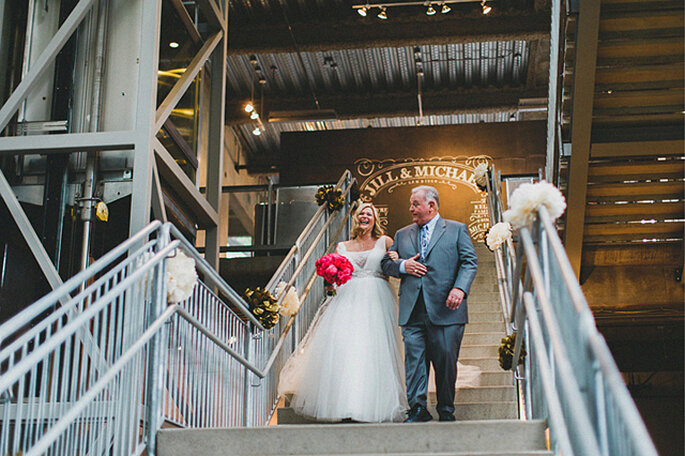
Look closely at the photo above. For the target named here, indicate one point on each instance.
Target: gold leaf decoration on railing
(263, 306)
(506, 352)
(331, 196)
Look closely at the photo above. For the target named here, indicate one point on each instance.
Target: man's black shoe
(418, 414)
(447, 416)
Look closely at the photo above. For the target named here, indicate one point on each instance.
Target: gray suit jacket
(451, 262)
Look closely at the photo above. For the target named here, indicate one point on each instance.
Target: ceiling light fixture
(173, 45)
(254, 115)
(430, 5)
(486, 8)
(249, 107)
(257, 131)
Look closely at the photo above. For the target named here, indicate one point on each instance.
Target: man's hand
(415, 268)
(454, 299)
(394, 256)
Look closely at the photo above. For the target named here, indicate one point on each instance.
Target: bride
(348, 366)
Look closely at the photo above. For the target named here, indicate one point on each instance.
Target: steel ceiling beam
(394, 104)
(321, 35)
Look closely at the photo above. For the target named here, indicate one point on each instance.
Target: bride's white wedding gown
(348, 366)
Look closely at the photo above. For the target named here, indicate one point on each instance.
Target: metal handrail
(214, 277)
(347, 176)
(569, 376)
(49, 300)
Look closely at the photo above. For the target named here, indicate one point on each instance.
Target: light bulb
(254, 115)
(362, 11)
(173, 45)
(430, 11)
(382, 15)
(486, 8)
(257, 131)
(445, 9)
(249, 107)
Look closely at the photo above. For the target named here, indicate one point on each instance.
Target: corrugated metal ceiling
(269, 141)
(362, 71)
(383, 69)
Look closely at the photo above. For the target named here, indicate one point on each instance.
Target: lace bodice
(367, 263)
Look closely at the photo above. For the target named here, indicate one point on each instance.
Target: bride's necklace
(366, 244)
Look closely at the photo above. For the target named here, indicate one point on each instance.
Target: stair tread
(476, 437)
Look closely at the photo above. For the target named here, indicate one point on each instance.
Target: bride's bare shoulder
(388, 241)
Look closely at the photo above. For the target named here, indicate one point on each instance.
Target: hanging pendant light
(486, 8)
(430, 11)
(445, 9)
(383, 14)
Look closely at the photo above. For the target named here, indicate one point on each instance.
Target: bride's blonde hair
(377, 230)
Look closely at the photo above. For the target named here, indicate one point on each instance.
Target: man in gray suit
(437, 263)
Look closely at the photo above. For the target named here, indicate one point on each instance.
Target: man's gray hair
(429, 193)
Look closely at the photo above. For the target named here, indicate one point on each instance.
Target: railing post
(247, 397)
(155, 372)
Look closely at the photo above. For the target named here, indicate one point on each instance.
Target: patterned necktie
(423, 238)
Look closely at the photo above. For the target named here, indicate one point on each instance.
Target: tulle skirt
(348, 366)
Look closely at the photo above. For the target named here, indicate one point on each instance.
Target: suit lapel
(413, 235)
(438, 231)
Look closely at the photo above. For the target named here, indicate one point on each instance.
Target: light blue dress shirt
(430, 226)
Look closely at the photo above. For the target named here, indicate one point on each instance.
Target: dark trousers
(426, 343)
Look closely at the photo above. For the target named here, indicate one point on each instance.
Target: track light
(383, 14)
(363, 11)
(445, 9)
(257, 131)
(254, 115)
(249, 107)
(486, 8)
(430, 11)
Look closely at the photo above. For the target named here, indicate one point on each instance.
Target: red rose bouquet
(334, 268)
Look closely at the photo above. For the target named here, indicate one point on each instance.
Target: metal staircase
(97, 366)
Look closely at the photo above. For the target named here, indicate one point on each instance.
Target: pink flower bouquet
(334, 268)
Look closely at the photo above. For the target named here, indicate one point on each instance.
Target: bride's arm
(394, 256)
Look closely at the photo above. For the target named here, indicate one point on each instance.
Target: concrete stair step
(468, 411)
(479, 351)
(478, 286)
(485, 306)
(477, 295)
(484, 327)
(460, 453)
(497, 437)
(498, 377)
(497, 393)
(485, 316)
(484, 338)
(483, 363)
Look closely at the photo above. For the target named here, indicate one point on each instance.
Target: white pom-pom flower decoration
(526, 200)
(291, 303)
(498, 235)
(181, 277)
(479, 175)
